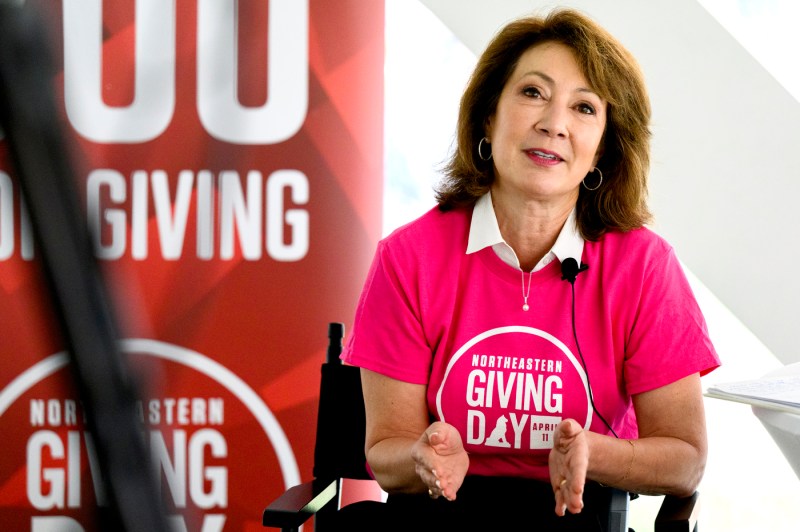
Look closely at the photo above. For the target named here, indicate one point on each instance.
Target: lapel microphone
(570, 270)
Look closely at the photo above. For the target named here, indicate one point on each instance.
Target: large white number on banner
(56, 523)
(287, 78)
(6, 216)
(220, 111)
(154, 59)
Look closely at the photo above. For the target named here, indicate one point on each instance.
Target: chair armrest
(618, 510)
(678, 514)
(298, 503)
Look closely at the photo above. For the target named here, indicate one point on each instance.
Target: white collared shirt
(484, 231)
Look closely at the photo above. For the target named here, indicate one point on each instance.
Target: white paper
(782, 393)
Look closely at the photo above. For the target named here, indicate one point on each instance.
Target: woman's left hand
(441, 460)
(569, 461)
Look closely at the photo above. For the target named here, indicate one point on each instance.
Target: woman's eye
(586, 109)
(532, 92)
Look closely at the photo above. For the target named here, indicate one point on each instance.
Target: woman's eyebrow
(550, 81)
(540, 74)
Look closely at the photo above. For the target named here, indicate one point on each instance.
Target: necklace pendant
(526, 291)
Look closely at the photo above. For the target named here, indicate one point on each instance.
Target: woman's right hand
(441, 460)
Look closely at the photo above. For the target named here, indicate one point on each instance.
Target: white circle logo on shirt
(508, 388)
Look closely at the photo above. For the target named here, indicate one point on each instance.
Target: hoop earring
(480, 146)
(599, 182)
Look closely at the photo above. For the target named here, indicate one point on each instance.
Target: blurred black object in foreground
(29, 118)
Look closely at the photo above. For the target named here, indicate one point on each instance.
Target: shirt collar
(484, 231)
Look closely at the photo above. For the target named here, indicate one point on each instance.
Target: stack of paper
(777, 393)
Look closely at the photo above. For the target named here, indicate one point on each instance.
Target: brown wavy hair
(612, 72)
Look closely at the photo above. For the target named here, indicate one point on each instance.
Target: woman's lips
(544, 157)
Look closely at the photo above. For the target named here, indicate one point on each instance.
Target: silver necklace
(526, 292)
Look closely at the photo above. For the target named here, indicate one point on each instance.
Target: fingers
(426, 457)
(442, 440)
(574, 497)
(568, 462)
(561, 506)
(566, 431)
(434, 493)
(440, 488)
(569, 496)
(441, 461)
(568, 490)
(447, 486)
(437, 487)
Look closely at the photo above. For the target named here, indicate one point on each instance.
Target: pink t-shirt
(432, 314)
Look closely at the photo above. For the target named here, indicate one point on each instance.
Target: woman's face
(548, 126)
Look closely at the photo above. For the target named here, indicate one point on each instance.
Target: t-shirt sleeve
(669, 339)
(387, 334)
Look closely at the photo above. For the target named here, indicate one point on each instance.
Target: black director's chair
(339, 454)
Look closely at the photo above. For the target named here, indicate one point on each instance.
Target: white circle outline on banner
(521, 329)
(189, 358)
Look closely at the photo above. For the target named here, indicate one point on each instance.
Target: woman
(496, 370)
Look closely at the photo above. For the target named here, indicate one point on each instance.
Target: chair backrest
(339, 449)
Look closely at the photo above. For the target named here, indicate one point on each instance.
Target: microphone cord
(585, 369)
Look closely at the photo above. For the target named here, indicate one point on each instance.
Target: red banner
(230, 158)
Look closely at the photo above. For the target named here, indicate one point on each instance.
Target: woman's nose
(553, 121)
